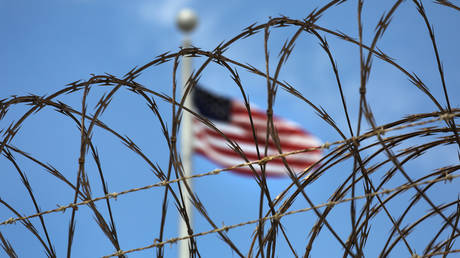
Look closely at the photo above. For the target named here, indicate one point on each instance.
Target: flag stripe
(299, 159)
(241, 117)
(271, 168)
(290, 142)
(251, 148)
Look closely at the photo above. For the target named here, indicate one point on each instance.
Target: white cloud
(162, 12)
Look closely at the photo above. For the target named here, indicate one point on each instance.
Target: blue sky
(47, 44)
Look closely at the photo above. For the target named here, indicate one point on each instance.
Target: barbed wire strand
(326, 145)
(440, 253)
(278, 216)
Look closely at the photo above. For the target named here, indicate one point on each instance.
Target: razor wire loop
(447, 177)
(278, 216)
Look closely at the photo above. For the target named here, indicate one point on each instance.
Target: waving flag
(232, 119)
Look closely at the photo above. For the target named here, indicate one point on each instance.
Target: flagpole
(186, 21)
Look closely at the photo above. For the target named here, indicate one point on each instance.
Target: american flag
(232, 119)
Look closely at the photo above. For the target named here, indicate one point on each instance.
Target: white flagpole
(186, 21)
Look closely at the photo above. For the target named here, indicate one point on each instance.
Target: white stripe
(251, 149)
(279, 123)
(229, 161)
(256, 109)
(227, 128)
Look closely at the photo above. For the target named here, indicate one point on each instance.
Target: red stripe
(247, 168)
(240, 109)
(263, 129)
(284, 146)
(256, 114)
(248, 139)
(252, 156)
(278, 125)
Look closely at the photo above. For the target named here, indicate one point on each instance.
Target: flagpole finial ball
(186, 20)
